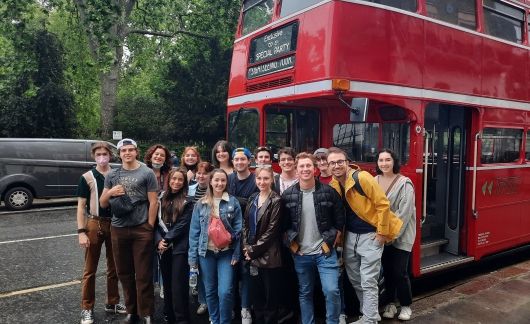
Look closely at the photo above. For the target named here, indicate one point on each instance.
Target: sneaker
(342, 319)
(202, 309)
(116, 309)
(161, 292)
(87, 316)
(390, 311)
(246, 317)
(405, 313)
(361, 320)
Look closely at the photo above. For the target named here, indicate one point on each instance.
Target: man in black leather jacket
(314, 216)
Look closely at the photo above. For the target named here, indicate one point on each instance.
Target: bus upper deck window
(292, 6)
(256, 13)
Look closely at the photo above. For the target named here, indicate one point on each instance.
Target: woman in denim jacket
(216, 263)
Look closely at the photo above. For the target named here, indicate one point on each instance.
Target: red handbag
(217, 232)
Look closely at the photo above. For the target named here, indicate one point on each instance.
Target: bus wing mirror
(359, 110)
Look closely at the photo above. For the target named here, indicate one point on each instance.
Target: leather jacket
(265, 250)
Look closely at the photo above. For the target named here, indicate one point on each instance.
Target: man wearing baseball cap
(242, 184)
(321, 155)
(132, 234)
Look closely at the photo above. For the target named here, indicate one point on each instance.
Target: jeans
(362, 258)
(328, 269)
(133, 253)
(396, 272)
(175, 271)
(244, 283)
(92, 254)
(218, 276)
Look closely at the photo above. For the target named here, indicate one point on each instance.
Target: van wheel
(18, 198)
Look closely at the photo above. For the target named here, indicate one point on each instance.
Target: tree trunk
(109, 94)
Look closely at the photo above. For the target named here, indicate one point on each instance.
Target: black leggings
(395, 269)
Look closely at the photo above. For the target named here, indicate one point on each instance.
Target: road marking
(33, 210)
(32, 290)
(38, 238)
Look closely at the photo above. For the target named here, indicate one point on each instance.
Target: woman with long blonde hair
(215, 245)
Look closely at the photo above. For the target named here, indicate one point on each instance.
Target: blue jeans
(244, 284)
(305, 266)
(218, 275)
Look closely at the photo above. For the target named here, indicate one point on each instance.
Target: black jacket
(329, 212)
(178, 232)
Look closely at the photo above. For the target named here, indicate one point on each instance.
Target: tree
(108, 28)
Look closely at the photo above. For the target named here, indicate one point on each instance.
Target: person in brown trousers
(132, 233)
(93, 228)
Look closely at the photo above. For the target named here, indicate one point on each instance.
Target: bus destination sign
(271, 67)
(274, 44)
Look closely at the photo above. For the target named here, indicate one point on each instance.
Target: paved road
(41, 265)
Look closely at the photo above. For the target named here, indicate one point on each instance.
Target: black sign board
(273, 44)
(271, 67)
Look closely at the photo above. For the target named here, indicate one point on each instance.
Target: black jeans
(175, 272)
(395, 269)
(265, 292)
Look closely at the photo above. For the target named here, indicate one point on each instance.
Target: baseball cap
(243, 150)
(321, 151)
(126, 141)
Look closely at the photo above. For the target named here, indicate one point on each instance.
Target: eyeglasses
(322, 160)
(337, 163)
(286, 159)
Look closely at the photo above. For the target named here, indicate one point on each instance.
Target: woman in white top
(400, 192)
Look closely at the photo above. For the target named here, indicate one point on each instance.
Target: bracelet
(81, 230)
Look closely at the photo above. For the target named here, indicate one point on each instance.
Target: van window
(42, 150)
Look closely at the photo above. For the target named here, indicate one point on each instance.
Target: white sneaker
(390, 311)
(361, 320)
(161, 292)
(202, 309)
(405, 313)
(246, 317)
(87, 317)
(342, 319)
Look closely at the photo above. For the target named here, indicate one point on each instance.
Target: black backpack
(357, 185)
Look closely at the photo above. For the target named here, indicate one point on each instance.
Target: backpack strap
(357, 184)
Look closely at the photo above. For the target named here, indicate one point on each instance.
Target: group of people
(255, 237)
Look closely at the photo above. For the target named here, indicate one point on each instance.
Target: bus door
(445, 156)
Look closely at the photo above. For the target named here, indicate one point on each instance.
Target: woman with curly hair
(158, 159)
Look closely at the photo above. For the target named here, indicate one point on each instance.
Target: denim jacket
(230, 214)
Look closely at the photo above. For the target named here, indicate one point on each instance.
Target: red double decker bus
(443, 83)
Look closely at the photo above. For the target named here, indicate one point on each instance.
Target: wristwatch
(81, 230)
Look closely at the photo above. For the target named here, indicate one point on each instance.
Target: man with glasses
(369, 224)
(132, 234)
(288, 177)
(242, 184)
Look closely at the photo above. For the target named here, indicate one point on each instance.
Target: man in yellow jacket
(369, 224)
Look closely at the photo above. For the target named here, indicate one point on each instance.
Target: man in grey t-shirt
(314, 215)
(132, 234)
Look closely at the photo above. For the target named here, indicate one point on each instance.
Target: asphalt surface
(42, 264)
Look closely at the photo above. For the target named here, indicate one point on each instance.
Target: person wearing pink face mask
(93, 228)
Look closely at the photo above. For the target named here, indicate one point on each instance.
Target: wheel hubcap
(18, 198)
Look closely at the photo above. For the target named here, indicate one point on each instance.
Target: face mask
(157, 165)
(102, 160)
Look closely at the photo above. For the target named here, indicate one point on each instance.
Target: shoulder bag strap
(392, 184)
(96, 192)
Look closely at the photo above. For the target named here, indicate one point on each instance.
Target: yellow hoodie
(374, 208)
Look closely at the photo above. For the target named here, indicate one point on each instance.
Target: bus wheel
(18, 198)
